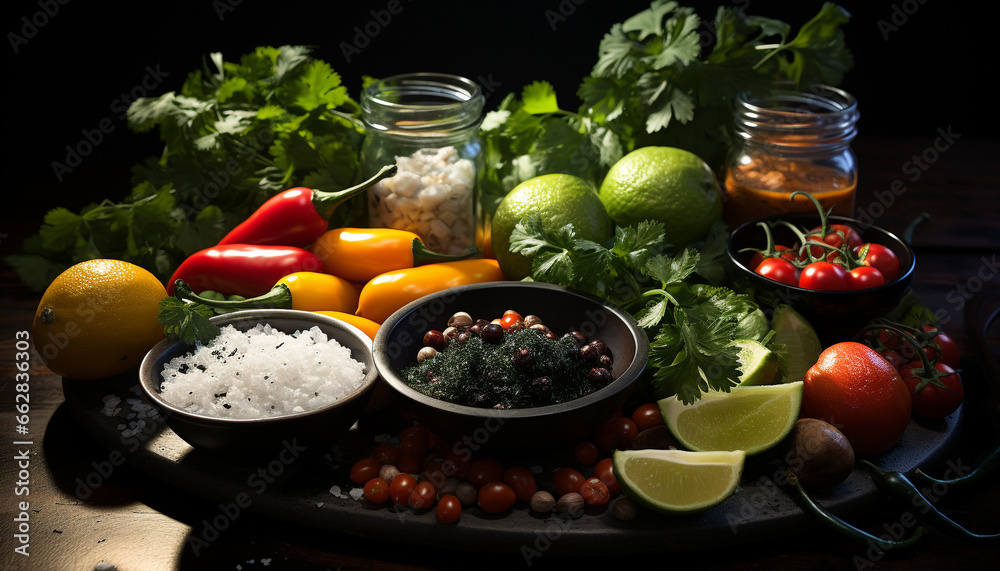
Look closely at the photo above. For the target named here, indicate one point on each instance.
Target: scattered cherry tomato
(386, 453)
(401, 489)
(364, 469)
(423, 496)
(455, 464)
(605, 471)
(377, 491)
(865, 277)
(485, 470)
(933, 401)
(522, 481)
(615, 434)
(824, 276)
(495, 497)
(647, 416)
(586, 452)
(449, 509)
(595, 492)
(410, 462)
(416, 445)
(881, 257)
(567, 480)
(779, 270)
(434, 472)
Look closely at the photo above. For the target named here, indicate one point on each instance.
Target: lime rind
(758, 364)
(678, 481)
(802, 344)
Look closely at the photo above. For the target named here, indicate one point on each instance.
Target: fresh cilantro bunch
(662, 77)
(674, 297)
(235, 134)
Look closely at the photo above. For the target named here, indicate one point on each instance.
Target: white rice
(260, 373)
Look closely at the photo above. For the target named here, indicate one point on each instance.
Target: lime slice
(800, 340)
(758, 364)
(677, 480)
(752, 419)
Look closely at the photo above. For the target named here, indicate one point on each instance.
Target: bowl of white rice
(270, 378)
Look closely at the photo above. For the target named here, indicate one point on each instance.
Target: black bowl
(836, 315)
(251, 437)
(401, 336)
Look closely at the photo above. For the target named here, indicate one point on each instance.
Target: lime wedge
(751, 418)
(800, 340)
(758, 364)
(677, 480)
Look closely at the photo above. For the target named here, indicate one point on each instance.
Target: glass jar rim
(422, 102)
(796, 120)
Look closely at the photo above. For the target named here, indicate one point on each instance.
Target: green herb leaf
(188, 322)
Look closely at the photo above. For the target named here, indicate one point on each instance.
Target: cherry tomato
(824, 276)
(864, 277)
(883, 258)
(364, 469)
(647, 416)
(586, 452)
(615, 434)
(605, 471)
(401, 489)
(949, 353)
(434, 472)
(449, 509)
(894, 358)
(510, 318)
(838, 235)
(595, 492)
(410, 462)
(377, 491)
(933, 401)
(787, 253)
(386, 453)
(455, 464)
(495, 497)
(567, 480)
(413, 433)
(522, 481)
(414, 444)
(779, 270)
(423, 496)
(485, 470)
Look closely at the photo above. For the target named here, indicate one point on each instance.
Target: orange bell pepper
(360, 254)
(369, 327)
(387, 292)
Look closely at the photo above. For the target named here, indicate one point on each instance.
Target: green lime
(748, 418)
(758, 364)
(558, 200)
(800, 340)
(677, 480)
(666, 184)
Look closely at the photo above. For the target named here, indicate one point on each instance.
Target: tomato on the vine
(779, 270)
(595, 492)
(883, 258)
(647, 416)
(838, 235)
(865, 277)
(948, 354)
(933, 401)
(893, 357)
(786, 253)
(824, 276)
(495, 497)
(449, 509)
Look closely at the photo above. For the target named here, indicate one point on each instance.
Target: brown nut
(571, 504)
(542, 502)
(625, 509)
(818, 453)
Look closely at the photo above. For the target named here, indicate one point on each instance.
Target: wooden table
(134, 521)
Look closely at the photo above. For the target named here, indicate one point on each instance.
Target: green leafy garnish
(188, 322)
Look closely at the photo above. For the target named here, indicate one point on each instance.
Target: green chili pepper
(902, 490)
(983, 469)
(847, 530)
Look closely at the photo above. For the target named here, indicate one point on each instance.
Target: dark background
(931, 71)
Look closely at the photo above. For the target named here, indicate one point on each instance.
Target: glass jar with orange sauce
(792, 140)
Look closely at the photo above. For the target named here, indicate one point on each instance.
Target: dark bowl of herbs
(510, 365)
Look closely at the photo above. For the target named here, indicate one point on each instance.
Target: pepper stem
(326, 201)
(421, 255)
(280, 297)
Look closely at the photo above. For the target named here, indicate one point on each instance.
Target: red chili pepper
(297, 216)
(248, 270)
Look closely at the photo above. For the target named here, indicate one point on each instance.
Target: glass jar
(791, 140)
(427, 124)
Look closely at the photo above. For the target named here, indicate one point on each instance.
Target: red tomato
(647, 416)
(933, 401)
(948, 354)
(377, 491)
(509, 318)
(449, 509)
(484, 471)
(883, 258)
(615, 434)
(410, 462)
(401, 489)
(423, 496)
(434, 472)
(586, 452)
(893, 357)
(779, 270)
(865, 277)
(386, 453)
(787, 254)
(853, 388)
(824, 276)
(567, 480)
(522, 481)
(495, 497)
(838, 235)
(455, 464)
(605, 471)
(595, 492)
(364, 469)
(414, 444)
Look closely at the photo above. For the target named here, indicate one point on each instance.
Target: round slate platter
(312, 488)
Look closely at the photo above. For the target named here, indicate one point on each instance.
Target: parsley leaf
(188, 322)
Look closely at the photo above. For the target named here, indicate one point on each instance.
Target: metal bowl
(254, 436)
(400, 338)
(836, 315)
